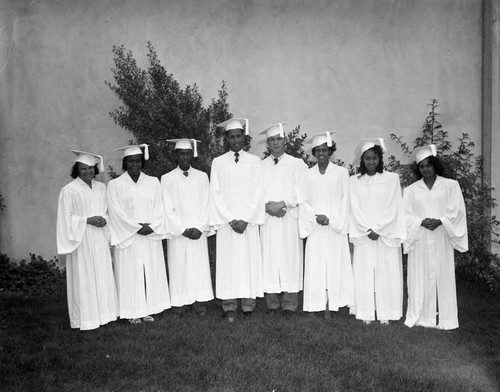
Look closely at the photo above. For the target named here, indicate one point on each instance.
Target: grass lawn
(39, 351)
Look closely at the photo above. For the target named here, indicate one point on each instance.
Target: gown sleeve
(70, 226)
(455, 219)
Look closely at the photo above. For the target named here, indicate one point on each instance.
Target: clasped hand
(431, 223)
(239, 226)
(145, 229)
(372, 235)
(192, 233)
(97, 221)
(276, 208)
(322, 220)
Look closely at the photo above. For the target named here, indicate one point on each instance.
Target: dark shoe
(178, 316)
(229, 315)
(272, 311)
(202, 313)
(247, 314)
(287, 313)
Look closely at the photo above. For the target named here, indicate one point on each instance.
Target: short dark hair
(143, 161)
(74, 170)
(380, 167)
(331, 149)
(436, 164)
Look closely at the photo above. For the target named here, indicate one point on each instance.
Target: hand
(372, 235)
(145, 229)
(192, 233)
(188, 233)
(431, 223)
(239, 226)
(322, 220)
(97, 221)
(276, 208)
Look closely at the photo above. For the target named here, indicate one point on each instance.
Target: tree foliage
(155, 108)
(460, 163)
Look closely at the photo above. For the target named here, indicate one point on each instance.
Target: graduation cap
(320, 138)
(185, 144)
(420, 153)
(365, 144)
(276, 129)
(134, 150)
(235, 123)
(89, 159)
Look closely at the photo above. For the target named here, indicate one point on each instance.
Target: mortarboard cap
(420, 153)
(276, 129)
(365, 144)
(320, 138)
(235, 123)
(134, 150)
(89, 159)
(186, 144)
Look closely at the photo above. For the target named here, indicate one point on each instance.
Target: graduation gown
(91, 287)
(236, 192)
(282, 249)
(140, 272)
(431, 263)
(185, 202)
(328, 272)
(377, 204)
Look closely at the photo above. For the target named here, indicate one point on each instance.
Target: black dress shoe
(272, 311)
(229, 315)
(287, 313)
(247, 313)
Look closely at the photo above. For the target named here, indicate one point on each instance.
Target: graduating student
(185, 199)
(436, 224)
(282, 249)
(236, 210)
(377, 230)
(82, 235)
(137, 228)
(323, 219)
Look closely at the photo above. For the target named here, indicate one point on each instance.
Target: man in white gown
(137, 228)
(236, 211)
(282, 248)
(323, 199)
(82, 235)
(185, 199)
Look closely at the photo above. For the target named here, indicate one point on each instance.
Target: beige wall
(359, 67)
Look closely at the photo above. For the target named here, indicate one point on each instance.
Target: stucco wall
(359, 67)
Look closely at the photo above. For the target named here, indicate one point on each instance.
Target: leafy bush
(36, 278)
(479, 263)
(155, 108)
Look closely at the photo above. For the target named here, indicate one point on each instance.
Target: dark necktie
(276, 160)
(236, 157)
(185, 173)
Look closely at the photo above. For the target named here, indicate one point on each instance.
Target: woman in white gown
(436, 224)
(82, 235)
(137, 228)
(377, 230)
(323, 198)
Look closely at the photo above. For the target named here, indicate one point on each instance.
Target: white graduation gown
(236, 192)
(91, 286)
(377, 204)
(140, 272)
(431, 262)
(282, 249)
(185, 201)
(328, 272)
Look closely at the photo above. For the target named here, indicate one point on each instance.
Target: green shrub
(479, 264)
(38, 277)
